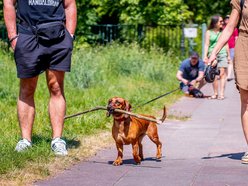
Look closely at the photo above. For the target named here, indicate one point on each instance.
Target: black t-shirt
(34, 12)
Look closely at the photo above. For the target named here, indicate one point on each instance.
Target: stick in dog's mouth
(158, 121)
(110, 111)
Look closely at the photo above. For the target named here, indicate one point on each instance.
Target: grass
(97, 75)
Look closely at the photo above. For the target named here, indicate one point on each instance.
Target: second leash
(165, 94)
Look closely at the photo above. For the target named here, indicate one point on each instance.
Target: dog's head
(117, 103)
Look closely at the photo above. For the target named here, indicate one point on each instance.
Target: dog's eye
(117, 103)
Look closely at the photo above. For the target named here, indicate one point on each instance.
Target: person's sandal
(244, 158)
(213, 96)
(221, 97)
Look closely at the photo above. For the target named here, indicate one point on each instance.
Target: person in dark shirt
(191, 73)
(42, 42)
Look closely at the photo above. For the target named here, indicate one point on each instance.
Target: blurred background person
(231, 44)
(212, 35)
(191, 73)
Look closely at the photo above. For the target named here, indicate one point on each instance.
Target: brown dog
(131, 130)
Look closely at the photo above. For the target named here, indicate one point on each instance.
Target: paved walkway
(202, 151)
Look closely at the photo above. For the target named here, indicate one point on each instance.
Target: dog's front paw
(159, 156)
(117, 162)
(137, 160)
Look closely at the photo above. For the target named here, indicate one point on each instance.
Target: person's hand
(205, 60)
(198, 79)
(193, 82)
(212, 60)
(13, 44)
(185, 81)
(13, 40)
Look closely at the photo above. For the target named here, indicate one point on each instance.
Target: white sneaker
(59, 147)
(23, 145)
(244, 158)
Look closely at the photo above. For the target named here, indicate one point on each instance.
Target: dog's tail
(164, 115)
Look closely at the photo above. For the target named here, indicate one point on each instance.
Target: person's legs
(57, 105)
(244, 118)
(223, 74)
(229, 71)
(201, 84)
(184, 88)
(244, 111)
(230, 65)
(26, 106)
(215, 88)
(26, 112)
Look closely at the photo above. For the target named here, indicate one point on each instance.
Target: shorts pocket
(17, 44)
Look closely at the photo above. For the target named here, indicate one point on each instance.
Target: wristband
(73, 37)
(13, 38)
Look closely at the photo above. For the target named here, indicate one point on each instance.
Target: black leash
(165, 94)
(104, 108)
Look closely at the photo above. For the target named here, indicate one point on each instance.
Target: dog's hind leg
(153, 135)
(118, 160)
(159, 146)
(136, 156)
(141, 155)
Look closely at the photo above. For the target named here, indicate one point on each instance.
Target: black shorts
(32, 57)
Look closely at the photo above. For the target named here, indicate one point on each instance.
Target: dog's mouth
(110, 111)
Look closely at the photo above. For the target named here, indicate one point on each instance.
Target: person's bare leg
(229, 70)
(26, 106)
(244, 112)
(215, 86)
(223, 75)
(57, 105)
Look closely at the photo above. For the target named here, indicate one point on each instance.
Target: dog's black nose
(110, 110)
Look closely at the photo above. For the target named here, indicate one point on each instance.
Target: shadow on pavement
(234, 156)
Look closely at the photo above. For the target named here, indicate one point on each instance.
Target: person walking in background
(240, 59)
(231, 44)
(42, 42)
(212, 35)
(191, 73)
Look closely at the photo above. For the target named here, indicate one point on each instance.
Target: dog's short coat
(131, 130)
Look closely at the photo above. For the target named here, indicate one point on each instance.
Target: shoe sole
(244, 161)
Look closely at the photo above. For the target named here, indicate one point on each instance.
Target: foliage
(1, 13)
(202, 10)
(154, 12)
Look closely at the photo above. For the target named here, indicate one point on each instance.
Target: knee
(27, 90)
(56, 89)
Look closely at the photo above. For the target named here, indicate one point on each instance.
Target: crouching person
(190, 75)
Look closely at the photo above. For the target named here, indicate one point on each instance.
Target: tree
(202, 10)
(141, 11)
(151, 12)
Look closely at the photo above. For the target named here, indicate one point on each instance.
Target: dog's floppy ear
(108, 107)
(127, 108)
